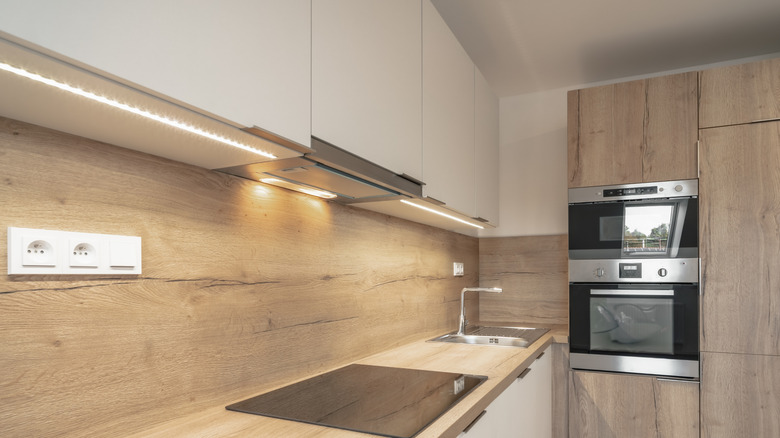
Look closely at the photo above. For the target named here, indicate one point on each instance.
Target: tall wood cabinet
(739, 189)
(638, 131)
(740, 241)
(618, 405)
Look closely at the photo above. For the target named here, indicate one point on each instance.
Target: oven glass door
(665, 228)
(659, 320)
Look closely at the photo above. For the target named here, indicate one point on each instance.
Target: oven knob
(662, 272)
(678, 188)
(599, 272)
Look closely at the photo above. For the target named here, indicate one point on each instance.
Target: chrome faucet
(463, 321)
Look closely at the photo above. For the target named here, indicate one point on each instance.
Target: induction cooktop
(385, 401)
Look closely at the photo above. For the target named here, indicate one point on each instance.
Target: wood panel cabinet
(739, 188)
(632, 132)
(740, 94)
(605, 405)
(739, 395)
(448, 116)
(247, 62)
(366, 80)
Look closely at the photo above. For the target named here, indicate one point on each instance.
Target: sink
(502, 336)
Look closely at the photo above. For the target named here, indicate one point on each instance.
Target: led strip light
(124, 107)
(442, 214)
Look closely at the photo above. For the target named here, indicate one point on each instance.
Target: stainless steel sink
(487, 335)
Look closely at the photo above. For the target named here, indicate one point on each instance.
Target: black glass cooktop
(393, 402)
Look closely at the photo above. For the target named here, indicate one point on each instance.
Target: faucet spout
(463, 321)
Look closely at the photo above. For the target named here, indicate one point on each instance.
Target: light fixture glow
(440, 213)
(298, 188)
(124, 107)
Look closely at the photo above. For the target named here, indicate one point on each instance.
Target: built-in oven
(634, 278)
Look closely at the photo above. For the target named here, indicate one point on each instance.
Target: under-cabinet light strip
(442, 214)
(124, 107)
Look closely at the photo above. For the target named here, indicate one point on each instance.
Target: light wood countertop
(501, 365)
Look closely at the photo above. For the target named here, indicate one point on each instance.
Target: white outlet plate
(40, 252)
(457, 269)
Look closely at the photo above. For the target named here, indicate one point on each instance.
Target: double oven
(634, 278)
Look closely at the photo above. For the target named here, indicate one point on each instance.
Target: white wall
(533, 187)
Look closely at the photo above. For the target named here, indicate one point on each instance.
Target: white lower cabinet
(524, 409)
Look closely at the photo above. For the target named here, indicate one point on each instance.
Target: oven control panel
(632, 271)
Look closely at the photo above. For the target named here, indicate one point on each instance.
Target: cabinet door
(366, 80)
(740, 94)
(633, 132)
(618, 405)
(739, 395)
(486, 149)
(448, 116)
(244, 61)
(739, 188)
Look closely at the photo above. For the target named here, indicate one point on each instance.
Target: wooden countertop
(501, 365)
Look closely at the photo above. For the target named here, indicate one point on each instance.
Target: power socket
(84, 252)
(34, 251)
(457, 269)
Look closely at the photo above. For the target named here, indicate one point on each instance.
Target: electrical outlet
(457, 269)
(84, 252)
(33, 251)
(38, 251)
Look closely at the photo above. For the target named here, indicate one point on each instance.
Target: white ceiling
(523, 46)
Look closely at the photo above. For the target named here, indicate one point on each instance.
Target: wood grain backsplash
(533, 271)
(244, 287)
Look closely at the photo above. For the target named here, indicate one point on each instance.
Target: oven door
(636, 229)
(635, 328)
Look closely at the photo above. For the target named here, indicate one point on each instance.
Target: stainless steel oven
(634, 278)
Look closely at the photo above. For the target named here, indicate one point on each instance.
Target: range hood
(349, 178)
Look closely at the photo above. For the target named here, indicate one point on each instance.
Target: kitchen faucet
(463, 321)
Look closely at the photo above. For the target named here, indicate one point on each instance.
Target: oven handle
(633, 292)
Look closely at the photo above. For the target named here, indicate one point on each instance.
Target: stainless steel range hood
(351, 178)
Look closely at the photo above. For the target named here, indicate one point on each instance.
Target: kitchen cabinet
(448, 116)
(740, 94)
(616, 405)
(246, 62)
(739, 395)
(524, 409)
(486, 149)
(366, 80)
(638, 131)
(739, 240)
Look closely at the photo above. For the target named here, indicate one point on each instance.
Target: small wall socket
(457, 269)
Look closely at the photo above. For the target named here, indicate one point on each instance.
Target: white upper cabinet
(366, 80)
(246, 62)
(487, 149)
(448, 116)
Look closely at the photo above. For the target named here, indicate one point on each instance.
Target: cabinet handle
(468, 428)
(666, 379)
(434, 200)
(539, 356)
(524, 373)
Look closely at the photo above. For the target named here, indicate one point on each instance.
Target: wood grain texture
(606, 405)
(740, 395)
(637, 131)
(244, 287)
(739, 191)
(533, 271)
(740, 94)
(560, 390)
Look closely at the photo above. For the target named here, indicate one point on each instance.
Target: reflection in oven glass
(636, 325)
